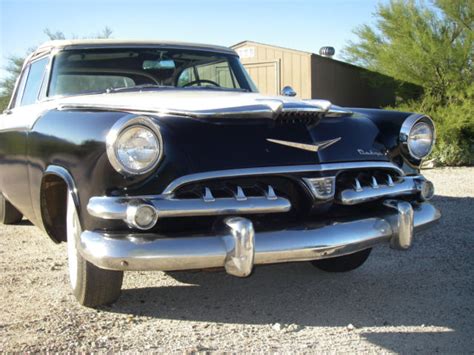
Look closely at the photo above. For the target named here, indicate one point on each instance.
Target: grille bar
(409, 185)
(109, 207)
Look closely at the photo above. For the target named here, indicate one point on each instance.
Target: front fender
(389, 124)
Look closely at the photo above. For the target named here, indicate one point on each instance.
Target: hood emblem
(316, 147)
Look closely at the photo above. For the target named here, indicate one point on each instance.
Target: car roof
(114, 43)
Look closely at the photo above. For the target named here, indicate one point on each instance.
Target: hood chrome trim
(263, 108)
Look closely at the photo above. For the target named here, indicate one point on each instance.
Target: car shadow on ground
(429, 285)
(25, 222)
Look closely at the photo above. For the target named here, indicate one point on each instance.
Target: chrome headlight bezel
(115, 133)
(405, 134)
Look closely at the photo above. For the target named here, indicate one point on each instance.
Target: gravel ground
(421, 300)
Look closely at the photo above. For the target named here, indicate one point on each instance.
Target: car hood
(274, 138)
(201, 103)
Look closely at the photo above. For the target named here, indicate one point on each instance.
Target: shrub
(454, 119)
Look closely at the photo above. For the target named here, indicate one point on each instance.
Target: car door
(15, 124)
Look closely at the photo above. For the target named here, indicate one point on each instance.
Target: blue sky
(300, 24)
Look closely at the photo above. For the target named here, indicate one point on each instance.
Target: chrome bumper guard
(238, 248)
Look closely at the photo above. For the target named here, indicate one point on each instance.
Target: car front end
(265, 183)
(163, 156)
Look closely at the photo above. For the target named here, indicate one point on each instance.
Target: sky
(299, 24)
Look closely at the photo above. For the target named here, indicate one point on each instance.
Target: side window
(219, 73)
(216, 72)
(187, 76)
(33, 82)
(21, 87)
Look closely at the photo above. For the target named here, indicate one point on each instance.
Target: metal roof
(242, 43)
(101, 43)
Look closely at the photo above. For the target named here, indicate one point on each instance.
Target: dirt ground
(421, 300)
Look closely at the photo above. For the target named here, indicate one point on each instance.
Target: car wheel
(91, 285)
(8, 213)
(343, 263)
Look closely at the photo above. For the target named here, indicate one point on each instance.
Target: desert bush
(454, 119)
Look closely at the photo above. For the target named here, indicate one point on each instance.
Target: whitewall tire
(91, 285)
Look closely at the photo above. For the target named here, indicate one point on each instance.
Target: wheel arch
(56, 184)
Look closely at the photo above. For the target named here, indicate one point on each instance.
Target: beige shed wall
(347, 85)
(273, 68)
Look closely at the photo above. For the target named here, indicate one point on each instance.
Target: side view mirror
(288, 91)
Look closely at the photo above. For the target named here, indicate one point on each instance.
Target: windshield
(97, 70)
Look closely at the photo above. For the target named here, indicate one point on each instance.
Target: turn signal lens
(141, 216)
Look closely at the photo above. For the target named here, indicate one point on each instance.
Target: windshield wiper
(134, 87)
(218, 88)
(146, 86)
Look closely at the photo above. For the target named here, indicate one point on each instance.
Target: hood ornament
(316, 147)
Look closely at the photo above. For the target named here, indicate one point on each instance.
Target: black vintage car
(163, 156)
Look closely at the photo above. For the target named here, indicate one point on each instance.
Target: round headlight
(134, 146)
(420, 140)
(417, 136)
(137, 149)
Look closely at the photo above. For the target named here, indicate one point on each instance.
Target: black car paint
(75, 140)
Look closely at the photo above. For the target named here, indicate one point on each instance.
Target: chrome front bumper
(238, 248)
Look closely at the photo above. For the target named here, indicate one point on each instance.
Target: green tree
(13, 69)
(431, 46)
(15, 63)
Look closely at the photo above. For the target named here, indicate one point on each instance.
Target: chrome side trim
(408, 186)
(64, 174)
(277, 170)
(155, 252)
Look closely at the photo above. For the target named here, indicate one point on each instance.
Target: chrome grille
(298, 117)
(239, 194)
(214, 190)
(355, 188)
